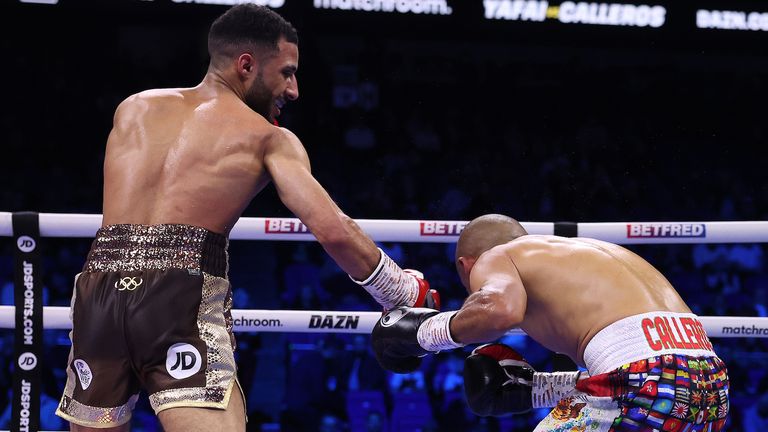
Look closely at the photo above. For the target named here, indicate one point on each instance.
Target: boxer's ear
(246, 64)
(464, 267)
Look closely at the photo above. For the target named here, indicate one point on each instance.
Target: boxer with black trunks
(650, 365)
(151, 308)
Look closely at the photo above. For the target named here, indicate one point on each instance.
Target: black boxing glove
(404, 335)
(498, 381)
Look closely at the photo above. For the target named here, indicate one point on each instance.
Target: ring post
(25, 414)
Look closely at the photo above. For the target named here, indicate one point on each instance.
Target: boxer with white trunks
(650, 365)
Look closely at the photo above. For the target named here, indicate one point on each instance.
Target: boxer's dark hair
(248, 28)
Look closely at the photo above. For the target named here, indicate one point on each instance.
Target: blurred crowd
(427, 129)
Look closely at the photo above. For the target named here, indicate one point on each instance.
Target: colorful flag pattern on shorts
(671, 393)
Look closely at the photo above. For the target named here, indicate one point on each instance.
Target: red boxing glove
(428, 297)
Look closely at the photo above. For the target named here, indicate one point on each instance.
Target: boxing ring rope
(309, 321)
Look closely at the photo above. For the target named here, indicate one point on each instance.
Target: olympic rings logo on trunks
(128, 283)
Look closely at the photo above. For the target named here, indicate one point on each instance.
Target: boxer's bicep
(497, 303)
(288, 165)
(495, 273)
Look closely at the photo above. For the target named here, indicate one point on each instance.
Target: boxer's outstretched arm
(287, 163)
(497, 303)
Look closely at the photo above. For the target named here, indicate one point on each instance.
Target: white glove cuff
(549, 388)
(434, 334)
(389, 285)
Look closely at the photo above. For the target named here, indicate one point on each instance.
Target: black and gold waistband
(129, 247)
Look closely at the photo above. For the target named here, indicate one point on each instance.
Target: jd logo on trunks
(183, 360)
(128, 283)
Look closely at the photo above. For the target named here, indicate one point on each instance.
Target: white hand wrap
(389, 285)
(549, 388)
(434, 333)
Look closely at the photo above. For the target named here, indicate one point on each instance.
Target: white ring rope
(310, 321)
(433, 231)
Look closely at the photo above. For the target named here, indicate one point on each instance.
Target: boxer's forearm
(486, 316)
(350, 247)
